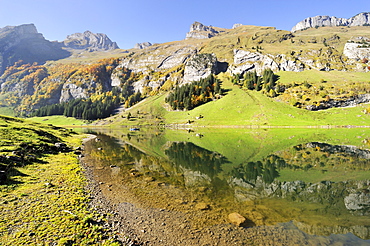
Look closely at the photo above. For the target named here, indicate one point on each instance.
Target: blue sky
(135, 21)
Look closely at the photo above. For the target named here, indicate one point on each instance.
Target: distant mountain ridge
(361, 19)
(25, 43)
(91, 41)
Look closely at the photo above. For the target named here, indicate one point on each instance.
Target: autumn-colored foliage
(40, 85)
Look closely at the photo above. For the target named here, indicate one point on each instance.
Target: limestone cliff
(361, 19)
(200, 66)
(357, 48)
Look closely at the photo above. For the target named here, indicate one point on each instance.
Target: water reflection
(322, 187)
(266, 170)
(195, 158)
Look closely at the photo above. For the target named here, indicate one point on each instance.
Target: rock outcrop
(334, 103)
(246, 61)
(200, 31)
(156, 58)
(237, 25)
(90, 41)
(357, 48)
(71, 91)
(141, 46)
(200, 66)
(25, 43)
(320, 20)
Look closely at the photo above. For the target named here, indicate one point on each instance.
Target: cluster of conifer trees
(92, 108)
(85, 109)
(191, 95)
(252, 81)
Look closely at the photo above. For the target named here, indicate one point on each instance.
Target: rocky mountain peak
(200, 31)
(90, 40)
(25, 43)
(324, 20)
(19, 30)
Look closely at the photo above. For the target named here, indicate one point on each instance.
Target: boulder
(237, 219)
(202, 206)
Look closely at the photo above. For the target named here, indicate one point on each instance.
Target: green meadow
(245, 108)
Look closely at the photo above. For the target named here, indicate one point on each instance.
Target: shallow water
(317, 181)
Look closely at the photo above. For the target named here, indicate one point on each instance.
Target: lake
(315, 182)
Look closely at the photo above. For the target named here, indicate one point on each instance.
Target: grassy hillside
(244, 108)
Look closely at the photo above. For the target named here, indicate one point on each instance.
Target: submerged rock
(202, 206)
(236, 219)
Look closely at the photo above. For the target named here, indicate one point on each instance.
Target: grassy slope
(250, 108)
(44, 201)
(315, 77)
(58, 120)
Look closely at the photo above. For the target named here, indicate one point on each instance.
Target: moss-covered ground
(42, 200)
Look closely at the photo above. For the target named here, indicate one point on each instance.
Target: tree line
(191, 95)
(96, 107)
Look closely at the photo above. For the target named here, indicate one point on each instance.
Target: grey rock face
(350, 102)
(71, 91)
(200, 66)
(245, 61)
(318, 21)
(356, 51)
(360, 19)
(200, 31)
(91, 41)
(154, 58)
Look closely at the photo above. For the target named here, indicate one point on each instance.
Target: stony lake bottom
(303, 186)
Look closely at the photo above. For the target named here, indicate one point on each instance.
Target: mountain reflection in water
(264, 189)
